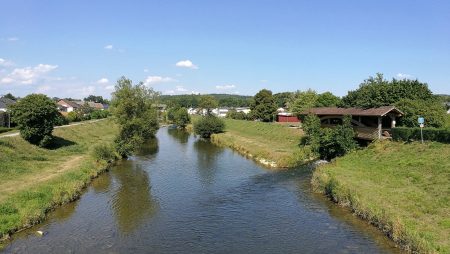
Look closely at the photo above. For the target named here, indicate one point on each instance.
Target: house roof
(70, 103)
(5, 102)
(381, 111)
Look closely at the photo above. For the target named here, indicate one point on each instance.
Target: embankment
(35, 180)
(403, 189)
(271, 144)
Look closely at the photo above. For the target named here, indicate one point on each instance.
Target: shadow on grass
(59, 142)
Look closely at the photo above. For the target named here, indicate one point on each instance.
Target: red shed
(287, 118)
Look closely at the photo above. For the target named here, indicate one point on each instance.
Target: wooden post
(379, 127)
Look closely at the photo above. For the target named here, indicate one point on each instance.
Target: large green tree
(182, 118)
(35, 115)
(133, 108)
(208, 103)
(377, 91)
(263, 106)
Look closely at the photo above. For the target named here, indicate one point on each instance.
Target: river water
(181, 194)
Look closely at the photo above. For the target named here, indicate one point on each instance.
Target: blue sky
(76, 48)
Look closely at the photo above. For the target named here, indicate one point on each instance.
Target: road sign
(421, 120)
(422, 125)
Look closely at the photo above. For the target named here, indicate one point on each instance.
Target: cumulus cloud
(83, 91)
(225, 87)
(5, 63)
(103, 81)
(43, 89)
(109, 47)
(404, 76)
(12, 39)
(186, 64)
(28, 75)
(157, 79)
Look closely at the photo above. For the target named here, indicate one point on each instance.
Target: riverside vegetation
(403, 189)
(34, 180)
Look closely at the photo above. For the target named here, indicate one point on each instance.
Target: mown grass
(34, 180)
(403, 189)
(264, 141)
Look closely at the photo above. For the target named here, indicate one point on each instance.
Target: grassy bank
(269, 143)
(34, 180)
(403, 189)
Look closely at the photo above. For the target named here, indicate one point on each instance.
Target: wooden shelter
(369, 124)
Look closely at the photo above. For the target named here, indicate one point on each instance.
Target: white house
(4, 103)
(68, 106)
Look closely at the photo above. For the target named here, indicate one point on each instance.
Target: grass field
(404, 189)
(34, 180)
(269, 143)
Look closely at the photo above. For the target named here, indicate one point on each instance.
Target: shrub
(5, 129)
(430, 134)
(233, 114)
(99, 114)
(103, 152)
(61, 120)
(182, 118)
(208, 125)
(35, 115)
(73, 117)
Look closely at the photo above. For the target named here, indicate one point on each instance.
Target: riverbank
(35, 180)
(271, 144)
(403, 189)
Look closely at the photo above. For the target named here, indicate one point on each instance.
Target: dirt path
(28, 181)
(56, 127)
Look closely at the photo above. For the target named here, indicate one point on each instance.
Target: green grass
(34, 180)
(264, 141)
(403, 189)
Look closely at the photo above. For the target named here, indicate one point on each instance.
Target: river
(181, 194)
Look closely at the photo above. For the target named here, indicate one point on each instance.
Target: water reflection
(206, 159)
(179, 135)
(132, 203)
(149, 149)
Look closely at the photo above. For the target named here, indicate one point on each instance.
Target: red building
(287, 118)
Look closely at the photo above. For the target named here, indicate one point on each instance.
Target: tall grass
(34, 180)
(403, 189)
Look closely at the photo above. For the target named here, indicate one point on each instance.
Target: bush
(5, 129)
(73, 117)
(35, 115)
(182, 118)
(430, 134)
(208, 125)
(432, 110)
(61, 120)
(99, 114)
(233, 114)
(103, 152)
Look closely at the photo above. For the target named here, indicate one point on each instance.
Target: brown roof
(381, 111)
(70, 103)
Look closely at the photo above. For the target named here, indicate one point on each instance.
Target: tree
(377, 91)
(10, 96)
(233, 114)
(208, 103)
(329, 143)
(132, 106)
(282, 99)
(328, 99)
(98, 99)
(304, 101)
(263, 106)
(208, 125)
(35, 115)
(182, 118)
(431, 110)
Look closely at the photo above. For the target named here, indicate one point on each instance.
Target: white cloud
(404, 76)
(28, 75)
(103, 81)
(264, 80)
(109, 47)
(109, 88)
(145, 70)
(180, 89)
(5, 63)
(169, 92)
(157, 79)
(225, 87)
(186, 64)
(12, 39)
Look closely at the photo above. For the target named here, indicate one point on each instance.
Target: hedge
(5, 129)
(430, 134)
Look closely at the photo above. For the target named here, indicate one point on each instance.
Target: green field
(34, 180)
(271, 142)
(403, 189)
